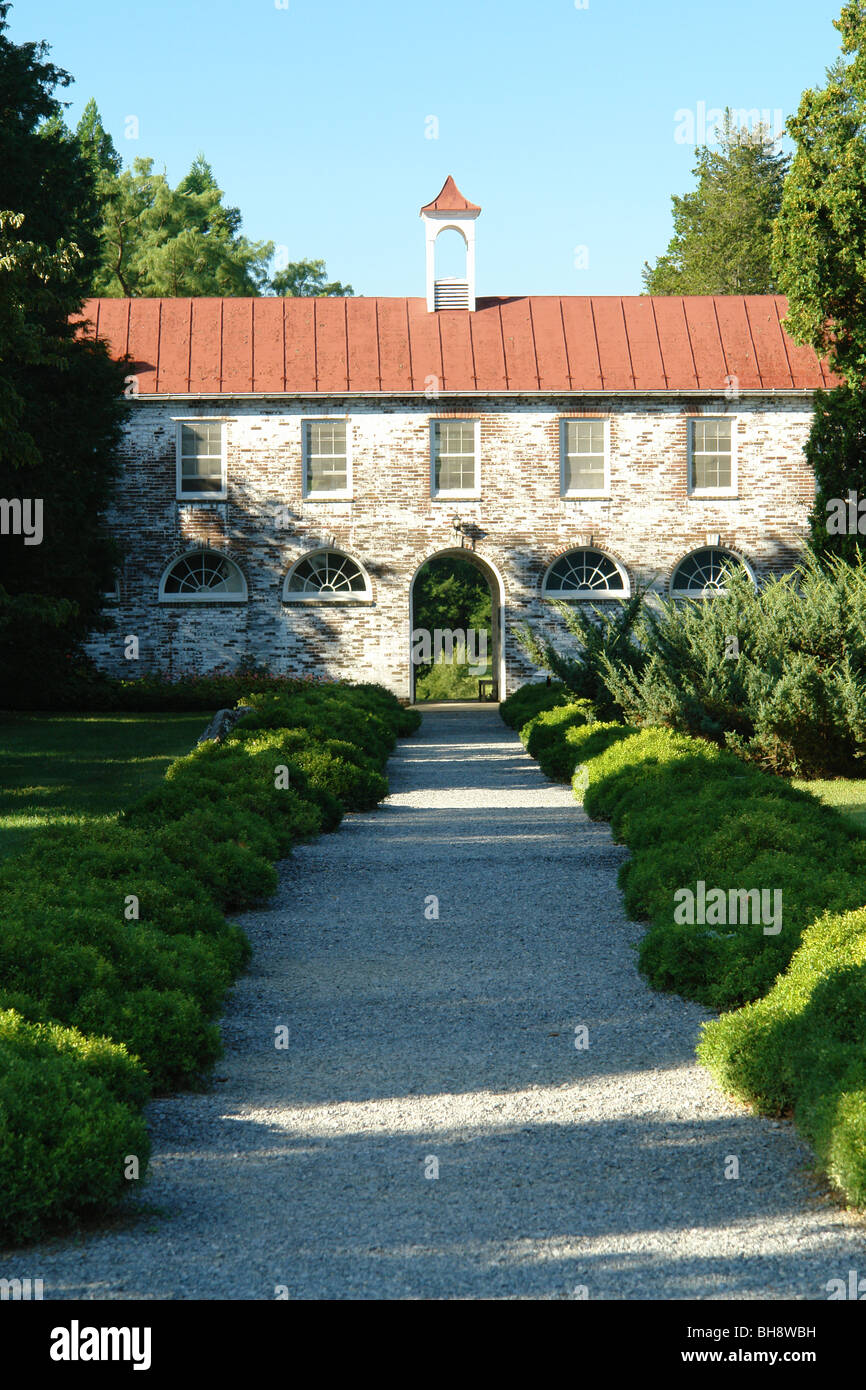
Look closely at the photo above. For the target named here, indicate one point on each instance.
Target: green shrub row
(801, 1050)
(544, 737)
(85, 688)
(530, 699)
(117, 931)
(793, 1041)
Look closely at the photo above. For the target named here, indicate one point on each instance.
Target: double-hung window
(712, 466)
(201, 468)
(584, 458)
(326, 459)
(454, 458)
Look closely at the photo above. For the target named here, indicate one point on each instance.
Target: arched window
(326, 576)
(203, 576)
(586, 574)
(705, 572)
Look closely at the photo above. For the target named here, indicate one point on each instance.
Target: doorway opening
(455, 620)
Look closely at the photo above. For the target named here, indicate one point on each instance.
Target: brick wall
(392, 525)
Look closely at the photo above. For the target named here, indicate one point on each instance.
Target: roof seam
(472, 355)
(595, 339)
(222, 306)
(691, 344)
(752, 341)
(659, 341)
(534, 345)
(721, 339)
(283, 337)
(409, 347)
(189, 350)
(502, 341)
(314, 344)
(784, 343)
(565, 344)
(253, 344)
(159, 340)
(627, 343)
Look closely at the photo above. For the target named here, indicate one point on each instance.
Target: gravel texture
(413, 1039)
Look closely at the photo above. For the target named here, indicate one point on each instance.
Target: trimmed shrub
(356, 787)
(801, 1049)
(544, 738)
(113, 944)
(531, 699)
(691, 812)
(66, 1125)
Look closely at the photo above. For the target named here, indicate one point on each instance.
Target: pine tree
(722, 242)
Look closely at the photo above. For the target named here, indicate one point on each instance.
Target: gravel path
(417, 1042)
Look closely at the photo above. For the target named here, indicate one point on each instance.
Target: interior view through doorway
(455, 629)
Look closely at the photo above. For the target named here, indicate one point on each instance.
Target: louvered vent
(451, 294)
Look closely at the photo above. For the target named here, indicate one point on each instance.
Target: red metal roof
(450, 199)
(540, 343)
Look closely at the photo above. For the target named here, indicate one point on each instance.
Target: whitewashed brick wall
(392, 525)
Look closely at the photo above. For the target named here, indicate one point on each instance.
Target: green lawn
(56, 769)
(847, 794)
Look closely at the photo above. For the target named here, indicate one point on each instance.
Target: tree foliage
(722, 242)
(789, 693)
(451, 592)
(307, 279)
(61, 397)
(156, 240)
(598, 635)
(836, 452)
(820, 236)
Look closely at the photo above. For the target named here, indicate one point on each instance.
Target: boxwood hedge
(115, 955)
(792, 1040)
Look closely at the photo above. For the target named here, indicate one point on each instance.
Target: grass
(58, 769)
(847, 794)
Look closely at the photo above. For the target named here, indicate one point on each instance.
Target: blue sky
(559, 121)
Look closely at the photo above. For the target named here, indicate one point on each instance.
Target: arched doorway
(443, 638)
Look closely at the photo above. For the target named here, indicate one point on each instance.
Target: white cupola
(450, 211)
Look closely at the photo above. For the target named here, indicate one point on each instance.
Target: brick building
(290, 464)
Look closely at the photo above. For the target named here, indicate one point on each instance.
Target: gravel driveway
(420, 1045)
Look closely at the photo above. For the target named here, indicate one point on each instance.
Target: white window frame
(455, 494)
(586, 494)
(696, 492)
(205, 595)
(707, 593)
(343, 494)
(298, 596)
(587, 595)
(182, 420)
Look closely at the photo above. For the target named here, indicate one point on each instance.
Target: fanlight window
(327, 575)
(705, 572)
(203, 576)
(585, 574)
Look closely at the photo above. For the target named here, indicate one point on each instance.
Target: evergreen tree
(164, 241)
(836, 451)
(61, 401)
(722, 242)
